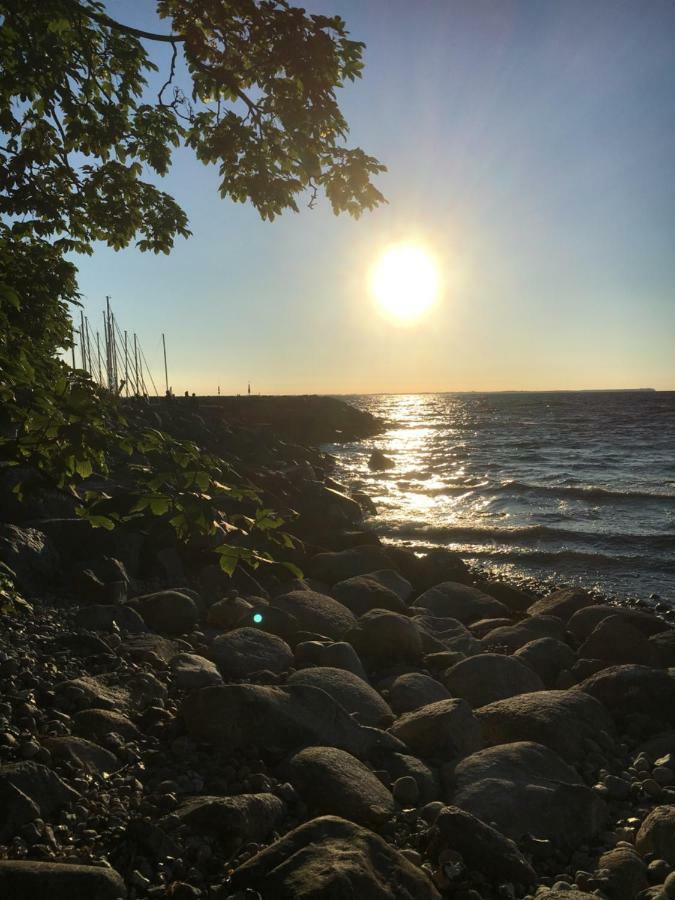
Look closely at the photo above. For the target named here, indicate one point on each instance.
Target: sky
(530, 147)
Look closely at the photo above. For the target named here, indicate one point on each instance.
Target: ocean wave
(589, 492)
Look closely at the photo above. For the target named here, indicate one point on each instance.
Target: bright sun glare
(405, 282)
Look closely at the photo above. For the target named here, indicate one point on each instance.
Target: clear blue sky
(530, 146)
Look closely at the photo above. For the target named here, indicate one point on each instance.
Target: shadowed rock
(562, 604)
(585, 620)
(29, 880)
(246, 650)
(490, 676)
(514, 636)
(446, 730)
(460, 601)
(233, 820)
(334, 567)
(547, 657)
(350, 691)
(413, 690)
(634, 690)
(657, 834)
(169, 612)
(84, 754)
(384, 637)
(365, 592)
(616, 642)
(317, 613)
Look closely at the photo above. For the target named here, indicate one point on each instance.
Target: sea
(546, 488)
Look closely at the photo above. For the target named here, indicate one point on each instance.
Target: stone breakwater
(390, 726)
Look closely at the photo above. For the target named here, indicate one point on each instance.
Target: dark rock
(169, 612)
(333, 782)
(512, 637)
(657, 834)
(30, 555)
(400, 765)
(664, 646)
(517, 599)
(634, 690)
(350, 691)
(246, 650)
(17, 809)
(616, 642)
(233, 820)
(80, 644)
(365, 592)
(92, 692)
(28, 880)
(39, 784)
(624, 873)
(435, 567)
(452, 600)
(333, 859)
(150, 648)
(446, 729)
(280, 720)
(484, 626)
(525, 788)
(110, 618)
(483, 848)
(191, 671)
(378, 462)
(547, 657)
(316, 612)
(228, 612)
(384, 637)
(84, 754)
(563, 721)
(413, 690)
(340, 655)
(585, 620)
(97, 724)
(406, 792)
(562, 604)
(446, 633)
(490, 676)
(334, 567)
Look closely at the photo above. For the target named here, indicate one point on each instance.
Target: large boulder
(512, 637)
(624, 874)
(483, 848)
(657, 834)
(585, 620)
(460, 601)
(562, 604)
(445, 730)
(338, 655)
(316, 613)
(365, 592)
(445, 634)
(332, 782)
(527, 789)
(490, 676)
(664, 647)
(616, 642)
(334, 567)
(413, 690)
(635, 691)
(331, 858)
(350, 691)
(278, 720)
(547, 657)
(563, 721)
(42, 786)
(84, 754)
(232, 820)
(241, 652)
(29, 879)
(191, 671)
(169, 612)
(386, 638)
(434, 567)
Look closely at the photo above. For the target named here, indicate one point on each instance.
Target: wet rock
(339, 655)
(446, 730)
(383, 637)
(110, 618)
(525, 788)
(317, 613)
(97, 724)
(483, 848)
(333, 782)
(334, 567)
(246, 650)
(233, 820)
(233, 716)
(562, 604)
(191, 671)
(657, 834)
(365, 592)
(350, 691)
(585, 620)
(512, 637)
(169, 612)
(460, 601)
(616, 642)
(563, 721)
(84, 754)
(378, 462)
(489, 677)
(413, 690)
(634, 690)
(28, 880)
(624, 874)
(547, 657)
(332, 858)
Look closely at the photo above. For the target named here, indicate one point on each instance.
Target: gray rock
(233, 716)
(365, 592)
(483, 848)
(246, 650)
(169, 612)
(563, 721)
(385, 638)
(547, 657)
(350, 691)
(317, 613)
(191, 671)
(413, 690)
(527, 789)
(84, 754)
(333, 859)
(333, 567)
(97, 724)
(484, 626)
(616, 642)
(490, 676)
(28, 880)
(460, 601)
(634, 690)
(400, 765)
(447, 634)
(339, 655)
(445, 730)
(657, 834)
(110, 618)
(333, 782)
(562, 604)
(233, 820)
(512, 637)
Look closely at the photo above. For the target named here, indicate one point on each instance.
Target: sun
(404, 281)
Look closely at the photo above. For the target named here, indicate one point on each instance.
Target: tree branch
(103, 19)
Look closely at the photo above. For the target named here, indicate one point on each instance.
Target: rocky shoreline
(390, 726)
